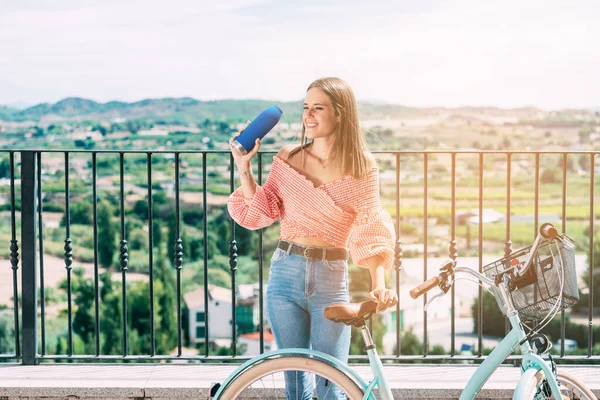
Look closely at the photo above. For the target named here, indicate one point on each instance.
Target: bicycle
(515, 280)
(530, 285)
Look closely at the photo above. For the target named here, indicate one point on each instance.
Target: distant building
(488, 215)
(246, 317)
(153, 132)
(86, 135)
(248, 308)
(250, 342)
(219, 313)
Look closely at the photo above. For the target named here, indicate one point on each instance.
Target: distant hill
(186, 110)
(169, 109)
(7, 112)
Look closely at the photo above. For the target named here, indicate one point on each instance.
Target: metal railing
(27, 248)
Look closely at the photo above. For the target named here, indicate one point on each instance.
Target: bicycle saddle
(353, 314)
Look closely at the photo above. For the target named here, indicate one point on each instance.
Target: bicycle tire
(575, 388)
(289, 363)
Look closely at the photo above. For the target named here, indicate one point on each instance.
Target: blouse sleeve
(373, 232)
(260, 211)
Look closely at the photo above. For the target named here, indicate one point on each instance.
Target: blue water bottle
(258, 128)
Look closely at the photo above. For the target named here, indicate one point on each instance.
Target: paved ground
(193, 380)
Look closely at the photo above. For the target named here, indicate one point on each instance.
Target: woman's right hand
(243, 160)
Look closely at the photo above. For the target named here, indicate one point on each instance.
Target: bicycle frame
(379, 380)
(531, 363)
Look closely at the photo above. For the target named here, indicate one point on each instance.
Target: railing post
(29, 254)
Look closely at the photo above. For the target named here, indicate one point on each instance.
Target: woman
(326, 194)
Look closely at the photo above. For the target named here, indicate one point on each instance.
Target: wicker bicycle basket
(535, 297)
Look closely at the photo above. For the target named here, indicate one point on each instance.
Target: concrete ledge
(193, 381)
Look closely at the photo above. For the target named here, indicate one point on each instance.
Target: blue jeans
(298, 291)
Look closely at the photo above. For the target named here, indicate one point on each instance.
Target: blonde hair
(348, 140)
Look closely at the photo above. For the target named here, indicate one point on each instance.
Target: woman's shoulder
(285, 151)
(370, 172)
(371, 160)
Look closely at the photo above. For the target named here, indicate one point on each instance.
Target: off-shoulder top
(345, 212)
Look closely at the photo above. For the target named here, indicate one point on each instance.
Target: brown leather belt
(315, 253)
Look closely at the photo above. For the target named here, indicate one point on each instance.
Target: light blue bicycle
(533, 282)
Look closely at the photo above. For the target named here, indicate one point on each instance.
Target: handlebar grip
(424, 287)
(548, 231)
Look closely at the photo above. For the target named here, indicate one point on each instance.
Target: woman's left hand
(385, 298)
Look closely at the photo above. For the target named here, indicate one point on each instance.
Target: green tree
(111, 316)
(223, 128)
(493, 319)
(138, 313)
(137, 240)
(171, 237)
(223, 232)
(157, 234)
(103, 131)
(7, 333)
(83, 321)
(195, 245)
(167, 310)
(410, 344)
(133, 126)
(141, 209)
(4, 167)
(584, 162)
(595, 265)
(551, 175)
(38, 132)
(246, 239)
(505, 143)
(55, 130)
(61, 346)
(107, 232)
(81, 213)
(193, 217)
(159, 197)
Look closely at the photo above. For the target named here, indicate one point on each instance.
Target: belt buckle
(305, 252)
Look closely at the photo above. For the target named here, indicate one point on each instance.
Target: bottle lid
(238, 146)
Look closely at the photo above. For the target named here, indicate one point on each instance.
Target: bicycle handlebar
(425, 287)
(547, 231)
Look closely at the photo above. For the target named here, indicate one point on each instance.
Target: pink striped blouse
(345, 212)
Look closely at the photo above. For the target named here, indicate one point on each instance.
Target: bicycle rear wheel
(570, 387)
(265, 380)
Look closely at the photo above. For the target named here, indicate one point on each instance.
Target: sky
(423, 53)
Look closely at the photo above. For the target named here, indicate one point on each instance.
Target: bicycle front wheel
(265, 380)
(570, 387)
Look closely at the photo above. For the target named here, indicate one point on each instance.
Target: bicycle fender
(537, 363)
(326, 358)
(524, 384)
